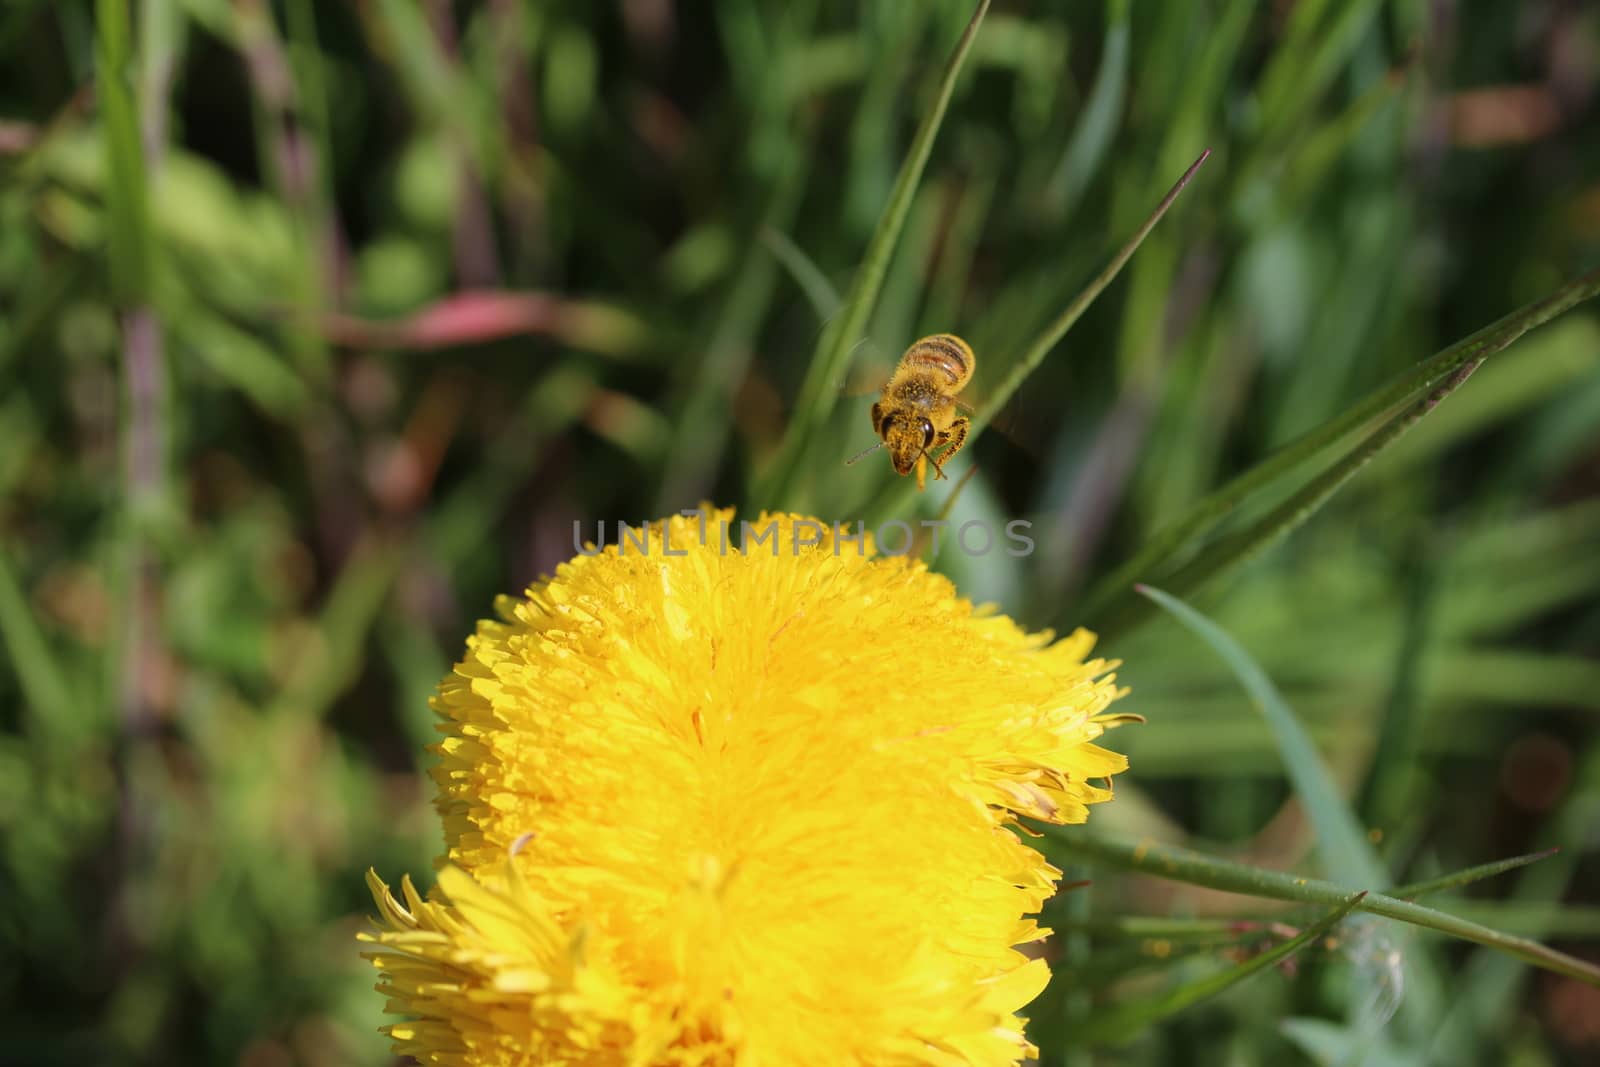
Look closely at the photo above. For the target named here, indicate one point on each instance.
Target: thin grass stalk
(1195, 868)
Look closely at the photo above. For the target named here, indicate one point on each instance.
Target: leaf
(1195, 868)
(1341, 843)
(1126, 1019)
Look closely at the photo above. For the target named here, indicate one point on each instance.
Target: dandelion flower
(705, 806)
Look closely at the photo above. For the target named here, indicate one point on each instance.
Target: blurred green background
(320, 324)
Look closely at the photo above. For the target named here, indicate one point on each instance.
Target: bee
(917, 411)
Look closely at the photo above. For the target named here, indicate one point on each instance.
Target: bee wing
(864, 381)
(1011, 423)
(869, 370)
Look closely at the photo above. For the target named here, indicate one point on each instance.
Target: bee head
(907, 437)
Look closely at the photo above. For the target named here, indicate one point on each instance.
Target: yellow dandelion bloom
(712, 806)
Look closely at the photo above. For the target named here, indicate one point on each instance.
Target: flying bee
(917, 411)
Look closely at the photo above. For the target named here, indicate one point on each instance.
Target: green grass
(262, 462)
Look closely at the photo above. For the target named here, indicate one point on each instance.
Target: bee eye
(883, 426)
(927, 434)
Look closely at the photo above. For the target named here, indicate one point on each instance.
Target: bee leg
(922, 472)
(955, 437)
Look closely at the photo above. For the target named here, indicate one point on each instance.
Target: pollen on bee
(917, 414)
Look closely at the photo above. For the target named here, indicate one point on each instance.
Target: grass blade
(1195, 868)
(1341, 843)
(1457, 879)
(1301, 74)
(1052, 335)
(1128, 1018)
(819, 292)
(1420, 379)
(127, 200)
(817, 394)
(1098, 123)
(1278, 523)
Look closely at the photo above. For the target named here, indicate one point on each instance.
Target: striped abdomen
(944, 353)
